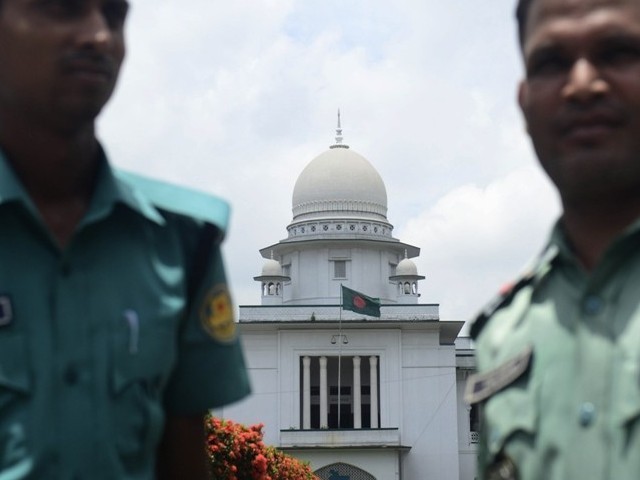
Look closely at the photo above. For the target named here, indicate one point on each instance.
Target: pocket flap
(151, 359)
(509, 411)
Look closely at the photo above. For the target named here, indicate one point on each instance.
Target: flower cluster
(237, 452)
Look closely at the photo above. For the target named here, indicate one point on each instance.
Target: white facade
(360, 397)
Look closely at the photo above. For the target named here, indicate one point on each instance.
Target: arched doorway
(343, 471)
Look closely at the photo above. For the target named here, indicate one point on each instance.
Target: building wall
(430, 408)
(419, 395)
(466, 441)
(261, 355)
(313, 281)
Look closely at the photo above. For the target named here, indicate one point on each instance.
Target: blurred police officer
(559, 352)
(116, 327)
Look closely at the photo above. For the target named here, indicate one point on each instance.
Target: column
(306, 393)
(357, 401)
(324, 399)
(373, 380)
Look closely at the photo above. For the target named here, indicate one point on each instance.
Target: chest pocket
(511, 419)
(143, 354)
(510, 408)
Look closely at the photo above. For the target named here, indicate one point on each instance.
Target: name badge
(481, 386)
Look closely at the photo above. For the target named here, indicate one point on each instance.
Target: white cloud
(235, 98)
(474, 240)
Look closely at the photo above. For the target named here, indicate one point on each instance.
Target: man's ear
(523, 94)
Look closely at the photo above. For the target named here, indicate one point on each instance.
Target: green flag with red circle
(360, 303)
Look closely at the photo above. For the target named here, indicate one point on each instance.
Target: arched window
(407, 288)
(343, 471)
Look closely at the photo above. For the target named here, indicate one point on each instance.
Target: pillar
(357, 401)
(306, 392)
(373, 380)
(324, 398)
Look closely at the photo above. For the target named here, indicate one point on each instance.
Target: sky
(236, 98)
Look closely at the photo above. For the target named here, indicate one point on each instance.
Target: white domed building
(360, 397)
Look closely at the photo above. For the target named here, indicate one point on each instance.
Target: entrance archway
(343, 471)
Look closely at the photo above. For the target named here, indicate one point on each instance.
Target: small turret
(272, 281)
(407, 278)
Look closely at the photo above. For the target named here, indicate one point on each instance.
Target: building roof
(339, 183)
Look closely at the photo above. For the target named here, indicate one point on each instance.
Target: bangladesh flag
(360, 303)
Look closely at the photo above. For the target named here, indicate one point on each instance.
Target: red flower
(238, 452)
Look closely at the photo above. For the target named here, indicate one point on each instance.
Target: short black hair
(522, 11)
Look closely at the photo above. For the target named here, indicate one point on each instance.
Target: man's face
(59, 59)
(581, 95)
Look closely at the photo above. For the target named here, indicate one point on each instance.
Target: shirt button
(593, 305)
(71, 375)
(586, 414)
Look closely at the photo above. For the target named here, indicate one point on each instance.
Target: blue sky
(236, 98)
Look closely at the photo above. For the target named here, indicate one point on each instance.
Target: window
(333, 406)
(339, 269)
(286, 271)
(339, 471)
(474, 419)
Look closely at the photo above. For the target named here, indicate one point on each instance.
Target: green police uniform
(559, 369)
(99, 341)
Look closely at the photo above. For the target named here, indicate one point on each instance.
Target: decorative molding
(346, 227)
(344, 205)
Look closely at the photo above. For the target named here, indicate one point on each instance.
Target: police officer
(116, 327)
(558, 353)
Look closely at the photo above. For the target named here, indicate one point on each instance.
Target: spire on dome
(339, 136)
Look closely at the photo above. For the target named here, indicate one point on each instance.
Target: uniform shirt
(98, 341)
(559, 369)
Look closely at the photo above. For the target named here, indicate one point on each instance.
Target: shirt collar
(11, 188)
(108, 192)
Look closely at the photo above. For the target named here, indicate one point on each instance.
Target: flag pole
(339, 352)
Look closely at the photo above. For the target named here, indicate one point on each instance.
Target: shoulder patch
(481, 386)
(216, 314)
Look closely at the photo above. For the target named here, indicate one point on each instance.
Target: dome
(271, 268)
(339, 183)
(407, 268)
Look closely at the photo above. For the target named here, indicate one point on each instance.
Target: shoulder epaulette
(501, 300)
(539, 267)
(177, 199)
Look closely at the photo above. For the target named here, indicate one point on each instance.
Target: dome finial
(405, 253)
(339, 136)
